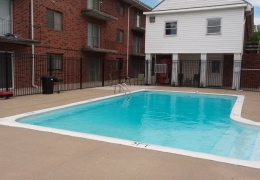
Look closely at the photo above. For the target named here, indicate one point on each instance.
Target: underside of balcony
(99, 15)
(94, 49)
(14, 40)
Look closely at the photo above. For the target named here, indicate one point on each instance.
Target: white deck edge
(235, 115)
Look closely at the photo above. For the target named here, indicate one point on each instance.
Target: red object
(163, 78)
(6, 94)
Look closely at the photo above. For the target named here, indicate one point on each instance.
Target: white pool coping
(235, 115)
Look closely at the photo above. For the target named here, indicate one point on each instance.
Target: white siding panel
(181, 4)
(191, 34)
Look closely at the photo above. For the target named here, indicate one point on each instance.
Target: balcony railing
(105, 47)
(19, 33)
(138, 26)
(137, 50)
(253, 47)
(103, 13)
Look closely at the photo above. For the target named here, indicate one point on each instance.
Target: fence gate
(250, 76)
(189, 73)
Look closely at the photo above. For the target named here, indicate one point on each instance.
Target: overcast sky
(255, 3)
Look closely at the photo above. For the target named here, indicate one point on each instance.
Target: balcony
(99, 14)
(138, 26)
(94, 46)
(137, 51)
(12, 32)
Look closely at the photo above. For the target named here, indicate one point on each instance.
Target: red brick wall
(250, 78)
(228, 70)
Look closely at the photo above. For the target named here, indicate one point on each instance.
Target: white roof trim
(195, 9)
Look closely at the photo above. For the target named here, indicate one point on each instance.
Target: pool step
(255, 156)
(225, 143)
(244, 144)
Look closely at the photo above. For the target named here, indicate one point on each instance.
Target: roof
(166, 5)
(139, 5)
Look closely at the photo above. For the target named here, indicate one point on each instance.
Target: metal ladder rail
(129, 92)
(121, 87)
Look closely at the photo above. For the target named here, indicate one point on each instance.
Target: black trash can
(47, 84)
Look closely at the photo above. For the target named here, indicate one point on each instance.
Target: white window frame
(11, 19)
(55, 22)
(167, 35)
(88, 41)
(10, 52)
(91, 4)
(207, 22)
(137, 41)
(119, 31)
(57, 64)
(138, 18)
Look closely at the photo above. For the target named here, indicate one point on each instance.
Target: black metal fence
(22, 74)
(217, 74)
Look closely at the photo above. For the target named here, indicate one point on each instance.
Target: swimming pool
(188, 121)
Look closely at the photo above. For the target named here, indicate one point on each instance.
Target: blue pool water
(194, 122)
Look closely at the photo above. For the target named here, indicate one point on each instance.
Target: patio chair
(113, 81)
(195, 81)
(140, 78)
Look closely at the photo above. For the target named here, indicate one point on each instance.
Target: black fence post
(199, 73)
(80, 72)
(181, 75)
(103, 73)
(50, 67)
(6, 72)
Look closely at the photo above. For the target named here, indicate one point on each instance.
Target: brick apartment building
(98, 30)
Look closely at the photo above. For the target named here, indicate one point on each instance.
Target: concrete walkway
(28, 154)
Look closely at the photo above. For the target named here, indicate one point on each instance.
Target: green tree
(256, 35)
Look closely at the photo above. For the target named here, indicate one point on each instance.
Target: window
(137, 44)
(138, 19)
(5, 17)
(152, 19)
(93, 35)
(94, 4)
(171, 28)
(120, 8)
(55, 62)
(119, 36)
(54, 20)
(215, 66)
(119, 64)
(214, 26)
(6, 69)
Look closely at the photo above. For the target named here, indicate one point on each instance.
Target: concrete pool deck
(29, 154)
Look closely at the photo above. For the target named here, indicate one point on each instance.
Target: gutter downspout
(128, 34)
(32, 36)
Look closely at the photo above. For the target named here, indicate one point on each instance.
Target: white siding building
(204, 31)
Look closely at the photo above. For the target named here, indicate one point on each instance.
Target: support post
(148, 69)
(203, 70)
(175, 61)
(237, 71)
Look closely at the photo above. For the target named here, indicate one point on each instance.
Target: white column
(203, 70)
(175, 60)
(148, 69)
(236, 71)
